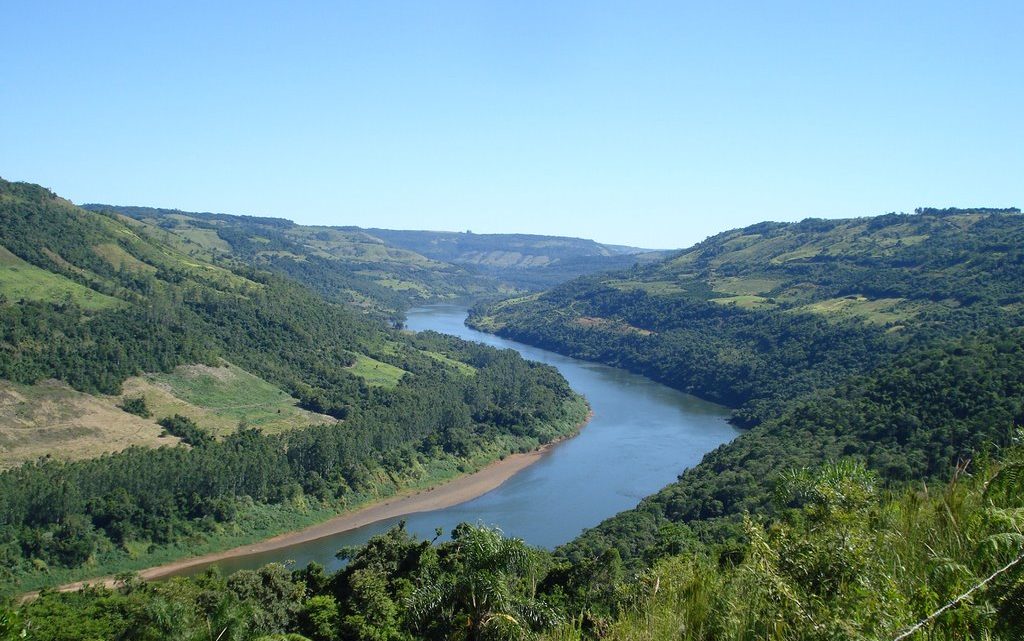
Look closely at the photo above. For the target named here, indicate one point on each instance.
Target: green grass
(878, 311)
(468, 370)
(375, 372)
(807, 251)
(746, 301)
(205, 238)
(22, 280)
(118, 257)
(654, 287)
(220, 398)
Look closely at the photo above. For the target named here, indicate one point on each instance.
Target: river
(642, 435)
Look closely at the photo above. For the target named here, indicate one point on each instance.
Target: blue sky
(653, 124)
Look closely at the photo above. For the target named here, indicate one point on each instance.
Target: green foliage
(136, 405)
(934, 379)
(10, 626)
(186, 429)
(844, 559)
(486, 589)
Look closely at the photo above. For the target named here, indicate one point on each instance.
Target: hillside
(894, 339)
(382, 271)
(528, 261)
(277, 407)
(342, 264)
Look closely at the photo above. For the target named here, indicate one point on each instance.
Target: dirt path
(458, 490)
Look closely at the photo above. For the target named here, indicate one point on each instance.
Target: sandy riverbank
(458, 490)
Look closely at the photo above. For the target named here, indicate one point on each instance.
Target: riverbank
(458, 490)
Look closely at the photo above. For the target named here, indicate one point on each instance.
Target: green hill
(895, 339)
(341, 264)
(382, 271)
(278, 407)
(527, 261)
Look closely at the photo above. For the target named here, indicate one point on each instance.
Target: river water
(641, 437)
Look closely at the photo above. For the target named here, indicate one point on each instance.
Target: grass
(50, 418)
(20, 280)
(118, 257)
(807, 251)
(745, 301)
(878, 311)
(465, 369)
(653, 287)
(375, 372)
(205, 238)
(221, 398)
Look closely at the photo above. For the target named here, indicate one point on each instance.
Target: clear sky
(653, 124)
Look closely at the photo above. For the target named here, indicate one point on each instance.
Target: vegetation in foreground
(844, 559)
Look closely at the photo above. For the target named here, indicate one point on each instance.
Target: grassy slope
(20, 280)
(51, 419)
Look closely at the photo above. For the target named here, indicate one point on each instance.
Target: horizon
(651, 126)
(1010, 209)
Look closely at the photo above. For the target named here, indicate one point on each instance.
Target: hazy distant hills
(522, 251)
(389, 269)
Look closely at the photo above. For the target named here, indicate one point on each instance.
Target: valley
(224, 401)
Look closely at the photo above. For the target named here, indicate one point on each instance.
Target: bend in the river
(641, 437)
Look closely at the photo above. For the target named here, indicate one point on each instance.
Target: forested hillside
(843, 559)
(382, 271)
(345, 265)
(893, 339)
(90, 299)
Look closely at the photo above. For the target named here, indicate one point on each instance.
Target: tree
(487, 589)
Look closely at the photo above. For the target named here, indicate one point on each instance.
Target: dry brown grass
(51, 419)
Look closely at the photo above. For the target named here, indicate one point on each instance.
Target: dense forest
(893, 339)
(135, 305)
(843, 559)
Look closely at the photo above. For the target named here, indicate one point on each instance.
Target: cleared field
(612, 325)
(375, 372)
(653, 287)
(746, 301)
(879, 311)
(221, 398)
(205, 238)
(50, 418)
(22, 280)
(468, 370)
